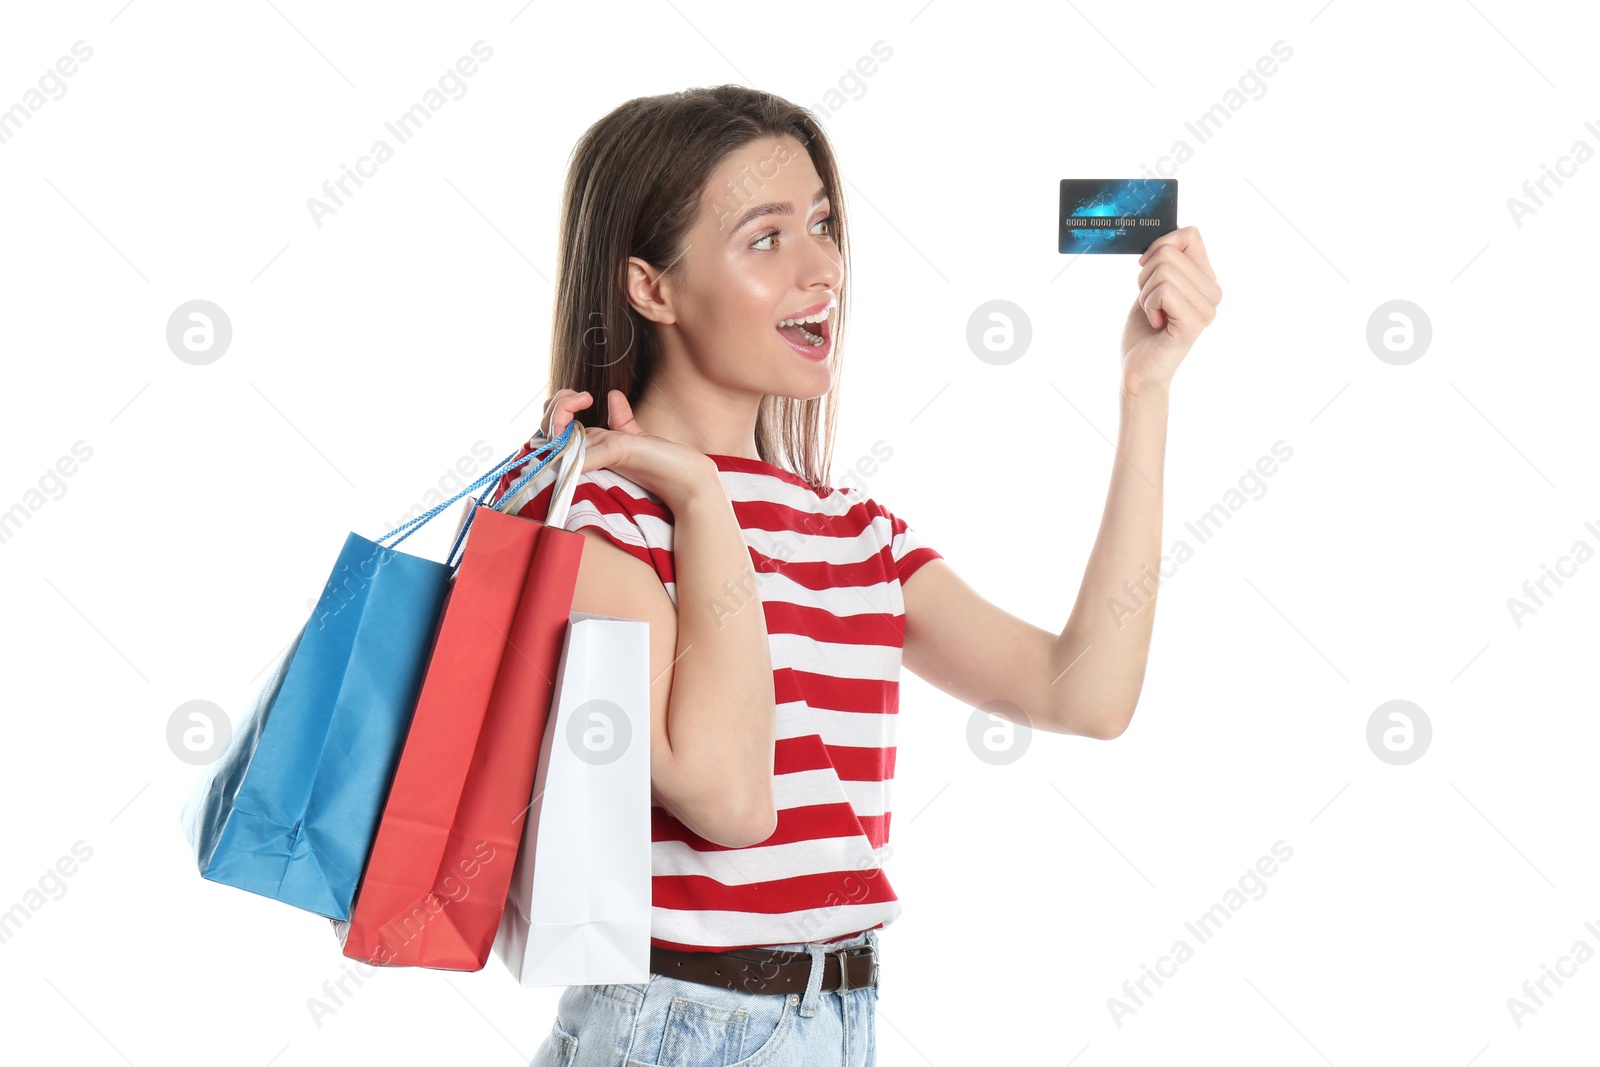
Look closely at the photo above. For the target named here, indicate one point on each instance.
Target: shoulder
(848, 500)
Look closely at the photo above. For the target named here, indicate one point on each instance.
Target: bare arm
(1114, 614)
(1086, 679)
(711, 693)
(712, 706)
(720, 730)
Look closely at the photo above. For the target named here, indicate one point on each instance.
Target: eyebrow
(783, 207)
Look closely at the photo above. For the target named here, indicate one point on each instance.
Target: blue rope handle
(510, 463)
(551, 450)
(528, 477)
(411, 526)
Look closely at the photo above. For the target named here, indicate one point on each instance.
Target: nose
(823, 267)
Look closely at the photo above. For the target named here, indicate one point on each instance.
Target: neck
(699, 416)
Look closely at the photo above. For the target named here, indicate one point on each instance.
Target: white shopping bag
(578, 912)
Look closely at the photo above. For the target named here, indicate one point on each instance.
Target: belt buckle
(844, 969)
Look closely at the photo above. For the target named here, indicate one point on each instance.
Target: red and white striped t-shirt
(829, 564)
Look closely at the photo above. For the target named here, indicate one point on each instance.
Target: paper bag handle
(567, 485)
(500, 470)
(571, 455)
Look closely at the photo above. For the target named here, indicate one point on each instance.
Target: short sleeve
(601, 499)
(907, 549)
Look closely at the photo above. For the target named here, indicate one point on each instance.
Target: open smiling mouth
(808, 331)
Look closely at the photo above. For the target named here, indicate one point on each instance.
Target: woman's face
(761, 252)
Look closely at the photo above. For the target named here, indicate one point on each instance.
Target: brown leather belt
(760, 970)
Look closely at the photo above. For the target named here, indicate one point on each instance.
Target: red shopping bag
(441, 864)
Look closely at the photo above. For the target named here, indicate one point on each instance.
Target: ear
(649, 291)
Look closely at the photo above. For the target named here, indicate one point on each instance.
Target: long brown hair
(633, 188)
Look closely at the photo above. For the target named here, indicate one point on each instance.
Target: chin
(809, 385)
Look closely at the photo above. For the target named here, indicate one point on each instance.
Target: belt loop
(808, 1006)
(872, 939)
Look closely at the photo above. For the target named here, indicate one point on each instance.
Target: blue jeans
(670, 1022)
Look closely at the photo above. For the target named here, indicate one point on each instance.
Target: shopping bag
(289, 809)
(579, 908)
(436, 882)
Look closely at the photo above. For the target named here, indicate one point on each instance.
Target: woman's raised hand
(1178, 298)
(670, 470)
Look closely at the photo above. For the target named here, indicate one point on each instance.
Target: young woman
(702, 297)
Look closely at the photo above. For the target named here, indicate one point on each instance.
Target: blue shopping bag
(291, 807)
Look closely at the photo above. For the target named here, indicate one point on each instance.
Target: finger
(551, 408)
(1179, 261)
(622, 413)
(1166, 297)
(567, 405)
(1195, 249)
(1182, 237)
(570, 408)
(1200, 309)
(1171, 237)
(1184, 242)
(594, 448)
(1187, 240)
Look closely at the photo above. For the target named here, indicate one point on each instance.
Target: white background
(371, 353)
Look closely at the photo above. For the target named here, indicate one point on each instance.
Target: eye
(770, 234)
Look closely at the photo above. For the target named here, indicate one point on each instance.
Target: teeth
(818, 317)
(812, 339)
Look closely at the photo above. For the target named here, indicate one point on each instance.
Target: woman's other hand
(1178, 297)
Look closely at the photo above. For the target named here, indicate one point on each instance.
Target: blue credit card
(1116, 215)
